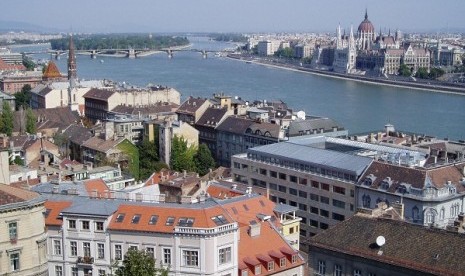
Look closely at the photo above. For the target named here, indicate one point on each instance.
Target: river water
(359, 107)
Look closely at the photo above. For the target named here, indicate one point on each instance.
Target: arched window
(442, 213)
(430, 216)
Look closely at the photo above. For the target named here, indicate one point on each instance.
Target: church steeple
(366, 14)
(72, 74)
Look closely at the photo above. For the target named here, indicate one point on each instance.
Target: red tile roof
(96, 187)
(54, 209)
(9, 195)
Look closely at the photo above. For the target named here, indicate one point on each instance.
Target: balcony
(85, 260)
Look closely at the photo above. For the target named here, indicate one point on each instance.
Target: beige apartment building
(23, 238)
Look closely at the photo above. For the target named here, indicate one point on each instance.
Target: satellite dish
(380, 241)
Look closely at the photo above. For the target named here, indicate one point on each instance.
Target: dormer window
(282, 262)
(402, 189)
(386, 183)
(271, 266)
(368, 181)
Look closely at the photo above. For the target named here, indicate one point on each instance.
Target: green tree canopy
(28, 63)
(23, 97)
(286, 53)
(31, 122)
(7, 119)
(203, 160)
(435, 73)
(139, 263)
(182, 156)
(422, 73)
(404, 70)
(148, 152)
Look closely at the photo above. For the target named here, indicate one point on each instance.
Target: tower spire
(72, 74)
(338, 37)
(366, 14)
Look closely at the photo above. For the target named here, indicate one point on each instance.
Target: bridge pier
(93, 54)
(132, 53)
(204, 54)
(170, 54)
(57, 56)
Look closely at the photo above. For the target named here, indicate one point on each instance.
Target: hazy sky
(234, 16)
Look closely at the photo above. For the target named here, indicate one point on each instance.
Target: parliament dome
(366, 25)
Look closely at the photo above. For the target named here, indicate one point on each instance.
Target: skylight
(120, 217)
(220, 220)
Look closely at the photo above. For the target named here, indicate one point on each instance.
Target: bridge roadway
(130, 53)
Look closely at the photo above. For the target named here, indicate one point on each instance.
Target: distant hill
(16, 26)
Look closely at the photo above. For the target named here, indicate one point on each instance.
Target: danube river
(359, 107)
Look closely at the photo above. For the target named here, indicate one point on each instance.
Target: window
(56, 247)
(14, 261)
(245, 272)
(366, 201)
(120, 217)
(58, 270)
(86, 249)
(118, 252)
(324, 199)
(302, 194)
(167, 256)
(302, 207)
(282, 176)
(99, 226)
(324, 213)
(282, 262)
(303, 181)
(153, 219)
(74, 271)
(323, 226)
(101, 250)
(150, 251)
(325, 186)
(186, 222)
(339, 204)
(314, 210)
(357, 272)
(224, 255)
(283, 189)
(294, 259)
(337, 270)
(293, 191)
(13, 230)
(313, 223)
(135, 219)
(258, 270)
(293, 178)
(321, 267)
(273, 186)
(73, 248)
(133, 247)
(339, 217)
(190, 257)
(339, 190)
(273, 174)
(72, 224)
(170, 221)
(315, 184)
(263, 171)
(314, 197)
(85, 225)
(271, 266)
(101, 272)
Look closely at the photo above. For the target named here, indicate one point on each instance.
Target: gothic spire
(72, 74)
(366, 14)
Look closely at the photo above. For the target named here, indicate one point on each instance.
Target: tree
(148, 156)
(31, 121)
(28, 63)
(404, 70)
(182, 156)
(422, 73)
(7, 119)
(139, 263)
(436, 73)
(203, 160)
(23, 97)
(286, 53)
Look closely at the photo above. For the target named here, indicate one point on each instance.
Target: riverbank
(357, 78)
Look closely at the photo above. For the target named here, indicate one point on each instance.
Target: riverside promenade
(435, 86)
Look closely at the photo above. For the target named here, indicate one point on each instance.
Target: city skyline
(234, 16)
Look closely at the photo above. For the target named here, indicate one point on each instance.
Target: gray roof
(63, 188)
(95, 207)
(321, 157)
(312, 124)
(284, 208)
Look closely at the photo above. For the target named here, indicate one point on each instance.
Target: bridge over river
(129, 53)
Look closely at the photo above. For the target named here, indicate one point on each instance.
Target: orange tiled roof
(95, 185)
(54, 209)
(202, 217)
(221, 192)
(51, 71)
(10, 67)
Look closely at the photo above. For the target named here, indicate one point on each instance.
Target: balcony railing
(85, 260)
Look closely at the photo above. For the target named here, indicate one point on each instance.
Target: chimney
(248, 190)
(234, 186)
(43, 178)
(254, 228)
(399, 208)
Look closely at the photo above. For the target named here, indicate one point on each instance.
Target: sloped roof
(326, 124)
(54, 209)
(99, 94)
(10, 195)
(265, 129)
(211, 117)
(10, 67)
(97, 186)
(233, 124)
(407, 245)
(101, 145)
(145, 110)
(77, 134)
(191, 105)
(51, 71)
